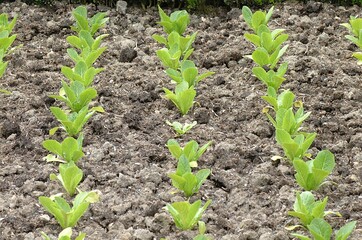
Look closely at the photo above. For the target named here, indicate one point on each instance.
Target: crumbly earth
(126, 158)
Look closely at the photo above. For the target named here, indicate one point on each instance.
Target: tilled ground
(126, 158)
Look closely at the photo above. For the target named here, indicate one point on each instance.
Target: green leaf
(160, 39)
(183, 166)
(320, 229)
(247, 14)
(71, 176)
(253, 38)
(53, 146)
(174, 148)
(344, 232)
(261, 57)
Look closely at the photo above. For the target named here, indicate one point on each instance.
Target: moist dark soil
(126, 158)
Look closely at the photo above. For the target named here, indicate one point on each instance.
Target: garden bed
(126, 157)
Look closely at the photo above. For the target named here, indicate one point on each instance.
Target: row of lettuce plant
(6, 40)
(287, 116)
(175, 57)
(75, 95)
(183, 72)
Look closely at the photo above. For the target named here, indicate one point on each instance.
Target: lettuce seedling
(73, 122)
(355, 28)
(258, 19)
(66, 234)
(306, 208)
(270, 40)
(81, 73)
(6, 40)
(70, 150)
(183, 97)
(177, 21)
(271, 78)
(283, 105)
(92, 24)
(262, 58)
(191, 150)
(184, 180)
(75, 95)
(269, 50)
(177, 47)
(70, 177)
(321, 230)
(202, 230)
(311, 174)
(295, 147)
(66, 215)
(185, 214)
(88, 57)
(188, 72)
(181, 129)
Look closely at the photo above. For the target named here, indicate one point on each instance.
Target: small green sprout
(184, 180)
(178, 49)
(91, 25)
(258, 19)
(188, 72)
(66, 215)
(306, 208)
(66, 234)
(355, 28)
(191, 150)
(271, 78)
(285, 117)
(311, 174)
(321, 230)
(6, 40)
(70, 177)
(73, 122)
(70, 150)
(262, 58)
(177, 21)
(183, 97)
(181, 129)
(295, 147)
(202, 230)
(81, 73)
(185, 214)
(76, 96)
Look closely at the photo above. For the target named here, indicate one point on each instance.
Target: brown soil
(126, 158)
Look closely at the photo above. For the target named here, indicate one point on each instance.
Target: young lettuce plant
(185, 214)
(202, 230)
(177, 21)
(70, 150)
(66, 234)
(355, 28)
(306, 208)
(66, 215)
(258, 19)
(321, 230)
(191, 150)
(69, 176)
(73, 122)
(183, 97)
(295, 147)
(285, 118)
(311, 174)
(184, 180)
(6, 40)
(181, 129)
